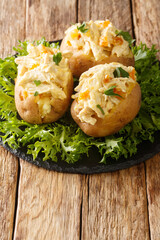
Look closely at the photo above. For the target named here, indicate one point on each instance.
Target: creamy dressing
(92, 85)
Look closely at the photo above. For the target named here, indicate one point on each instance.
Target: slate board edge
(84, 169)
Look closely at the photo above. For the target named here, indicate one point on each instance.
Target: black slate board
(90, 165)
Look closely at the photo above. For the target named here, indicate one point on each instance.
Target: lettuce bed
(64, 138)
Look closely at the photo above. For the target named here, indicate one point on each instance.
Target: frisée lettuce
(64, 138)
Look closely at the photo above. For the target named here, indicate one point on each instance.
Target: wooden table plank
(49, 203)
(116, 11)
(8, 184)
(49, 18)
(147, 29)
(115, 206)
(12, 22)
(146, 21)
(153, 191)
(12, 25)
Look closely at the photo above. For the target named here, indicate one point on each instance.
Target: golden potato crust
(121, 115)
(29, 111)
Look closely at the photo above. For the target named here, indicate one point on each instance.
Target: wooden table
(38, 204)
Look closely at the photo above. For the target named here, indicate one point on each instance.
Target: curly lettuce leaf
(7, 103)
(21, 49)
(64, 138)
(8, 67)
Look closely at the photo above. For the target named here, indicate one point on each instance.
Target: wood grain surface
(49, 18)
(147, 29)
(8, 184)
(153, 194)
(55, 211)
(146, 22)
(119, 12)
(49, 204)
(54, 206)
(115, 206)
(12, 25)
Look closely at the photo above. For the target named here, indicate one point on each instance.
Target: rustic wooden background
(38, 204)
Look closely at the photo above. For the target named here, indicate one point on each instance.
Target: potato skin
(121, 115)
(79, 62)
(29, 111)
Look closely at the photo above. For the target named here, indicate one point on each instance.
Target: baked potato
(94, 43)
(106, 99)
(43, 86)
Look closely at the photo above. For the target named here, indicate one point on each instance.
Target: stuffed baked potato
(94, 43)
(108, 97)
(43, 86)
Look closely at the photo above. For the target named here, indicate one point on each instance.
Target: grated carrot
(106, 23)
(79, 36)
(117, 41)
(21, 97)
(80, 48)
(119, 92)
(25, 94)
(69, 43)
(103, 42)
(107, 78)
(34, 66)
(132, 74)
(45, 50)
(74, 34)
(84, 95)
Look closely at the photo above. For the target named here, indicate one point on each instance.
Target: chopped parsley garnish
(57, 58)
(120, 72)
(110, 92)
(126, 37)
(82, 28)
(36, 93)
(100, 108)
(37, 82)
